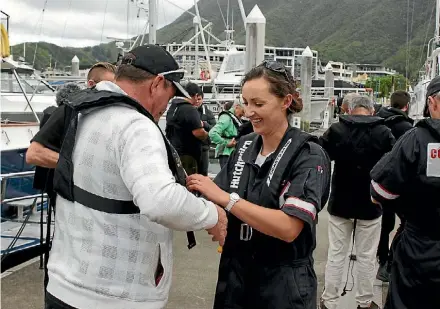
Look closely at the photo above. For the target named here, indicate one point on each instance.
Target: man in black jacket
(411, 173)
(356, 143)
(396, 118)
(185, 130)
(208, 121)
(43, 179)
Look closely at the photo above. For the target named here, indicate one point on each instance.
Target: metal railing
(24, 220)
(11, 201)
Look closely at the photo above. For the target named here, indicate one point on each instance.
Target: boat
(22, 207)
(429, 71)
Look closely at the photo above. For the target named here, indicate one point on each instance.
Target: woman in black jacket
(273, 187)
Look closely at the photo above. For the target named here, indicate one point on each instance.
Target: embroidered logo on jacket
(239, 166)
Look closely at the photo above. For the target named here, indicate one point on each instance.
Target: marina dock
(194, 276)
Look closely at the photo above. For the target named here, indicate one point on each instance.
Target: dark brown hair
(93, 72)
(131, 73)
(400, 99)
(280, 86)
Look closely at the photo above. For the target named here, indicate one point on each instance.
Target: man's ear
(156, 83)
(90, 83)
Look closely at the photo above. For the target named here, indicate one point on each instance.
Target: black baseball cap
(433, 88)
(156, 60)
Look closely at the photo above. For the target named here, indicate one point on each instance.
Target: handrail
(16, 175)
(22, 198)
(4, 179)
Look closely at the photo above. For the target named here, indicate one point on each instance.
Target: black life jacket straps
(86, 100)
(284, 157)
(237, 122)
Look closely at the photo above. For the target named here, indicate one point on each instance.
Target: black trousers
(245, 284)
(394, 242)
(51, 302)
(415, 275)
(388, 222)
(204, 162)
(190, 164)
(223, 160)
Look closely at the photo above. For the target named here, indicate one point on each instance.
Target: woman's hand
(207, 188)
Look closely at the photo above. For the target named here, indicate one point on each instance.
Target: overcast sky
(81, 22)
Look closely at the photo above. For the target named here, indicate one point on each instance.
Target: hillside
(368, 31)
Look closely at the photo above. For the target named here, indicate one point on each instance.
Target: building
(370, 69)
(185, 54)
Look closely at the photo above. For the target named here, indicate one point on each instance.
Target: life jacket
(82, 103)
(172, 126)
(237, 122)
(241, 236)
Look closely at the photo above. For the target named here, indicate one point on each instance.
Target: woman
(273, 186)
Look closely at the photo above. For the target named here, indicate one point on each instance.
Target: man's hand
(39, 155)
(218, 232)
(232, 143)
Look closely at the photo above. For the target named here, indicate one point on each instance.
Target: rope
(407, 40)
(409, 37)
(184, 10)
(103, 22)
(182, 35)
(64, 31)
(128, 20)
(426, 36)
(221, 12)
(39, 34)
(17, 236)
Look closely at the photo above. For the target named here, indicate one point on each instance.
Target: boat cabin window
(29, 82)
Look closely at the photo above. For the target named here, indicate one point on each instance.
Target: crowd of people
(119, 186)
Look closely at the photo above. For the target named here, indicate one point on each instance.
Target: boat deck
(194, 278)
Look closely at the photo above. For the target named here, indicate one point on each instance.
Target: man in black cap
(185, 129)
(410, 173)
(117, 196)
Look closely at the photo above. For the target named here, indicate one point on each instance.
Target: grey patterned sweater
(103, 260)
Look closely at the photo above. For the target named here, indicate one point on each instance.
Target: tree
(384, 85)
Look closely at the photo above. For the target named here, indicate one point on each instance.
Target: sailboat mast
(437, 22)
(152, 19)
(243, 13)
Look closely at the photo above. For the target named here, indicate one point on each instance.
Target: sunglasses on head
(276, 67)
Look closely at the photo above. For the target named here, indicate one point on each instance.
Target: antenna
(437, 22)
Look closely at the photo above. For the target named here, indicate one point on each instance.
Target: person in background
(245, 128)
(356, 143)
(43, 179)
(410, 173)
(224, 132)
(209, 121)
(396, 118)
(45, 146)
(273, 187)
(100, 71)
(185, 130)
(343, 103)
